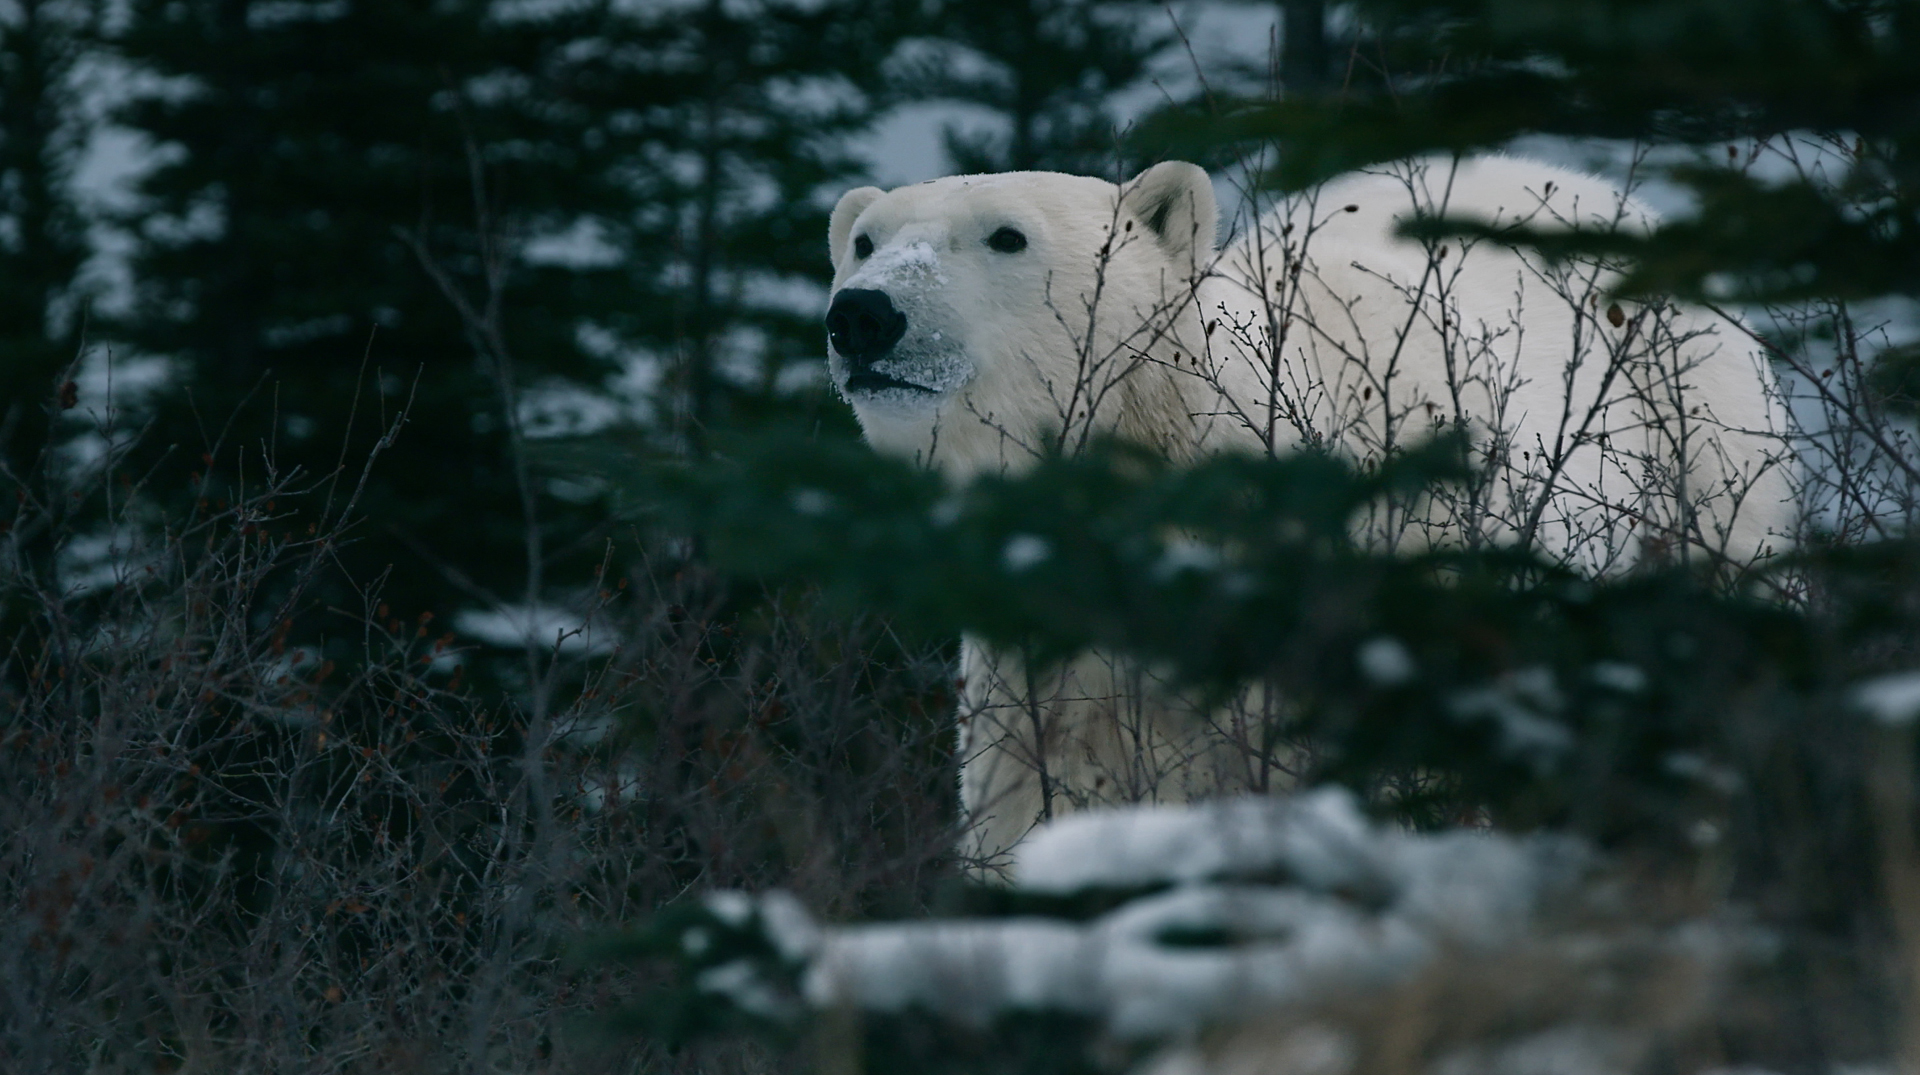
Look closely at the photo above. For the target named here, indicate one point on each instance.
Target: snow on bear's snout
(904, 364)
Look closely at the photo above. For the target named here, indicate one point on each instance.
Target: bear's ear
(852, 204)
(1174, 200)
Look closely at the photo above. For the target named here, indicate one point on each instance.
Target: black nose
(863, 324)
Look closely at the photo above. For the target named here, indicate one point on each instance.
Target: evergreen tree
(366, 179)
(1049, 67)
(1467, 75)
(342, 170)
(42, 236)
(1305, 60)
(733, 123)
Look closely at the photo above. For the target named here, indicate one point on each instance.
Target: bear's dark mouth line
(873, 382)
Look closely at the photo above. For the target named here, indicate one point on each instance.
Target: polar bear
(978, 322)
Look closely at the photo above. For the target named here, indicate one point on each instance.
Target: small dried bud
(1615, 315)
(69, 396)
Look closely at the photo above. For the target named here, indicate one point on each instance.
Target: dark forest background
(394, 203)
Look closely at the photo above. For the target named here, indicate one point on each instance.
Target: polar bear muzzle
(864, 326)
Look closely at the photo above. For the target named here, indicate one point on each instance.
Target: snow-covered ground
(1255, 916)
(1260, 902)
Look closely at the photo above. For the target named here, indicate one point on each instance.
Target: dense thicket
(223, 848)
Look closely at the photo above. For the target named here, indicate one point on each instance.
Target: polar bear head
(975, 317)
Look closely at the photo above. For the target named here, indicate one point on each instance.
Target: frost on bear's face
(904, 282)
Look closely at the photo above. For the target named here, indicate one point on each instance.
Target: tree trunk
(46, 249)
(700, 340)
(1303, 46)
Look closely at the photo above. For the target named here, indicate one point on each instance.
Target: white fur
(1603, 443)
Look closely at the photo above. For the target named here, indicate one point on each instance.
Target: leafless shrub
(231, 843)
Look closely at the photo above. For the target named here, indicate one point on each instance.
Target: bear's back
(1579, 404)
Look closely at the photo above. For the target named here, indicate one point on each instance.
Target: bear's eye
(862, 247)
(1007, 241)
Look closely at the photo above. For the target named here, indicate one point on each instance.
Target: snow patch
(1023, 551)
(1619, 676)
(516, 626)
(1244, 906)
(1892, 700)
(1319, 837)
(810, 501)
(894, 265)
(968, 969)
(1186, 555)
(1523, 705)
(1386, 662)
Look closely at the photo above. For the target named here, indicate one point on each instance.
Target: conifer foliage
(464, 213)
(732, 125)
(42, 234)
(1542, 697)
(1774, 223)
(322, 153)
(1049, 69)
